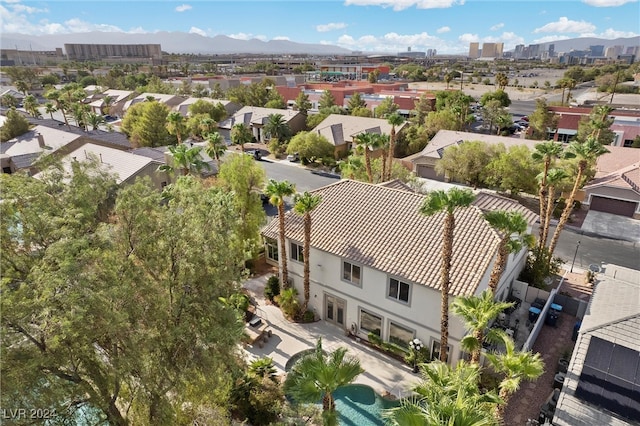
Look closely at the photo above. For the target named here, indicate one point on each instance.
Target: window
(399, 290)
(435, 350)
(370, 322)
(272, 249)
(400, 335)
(351, 273)
(627, 143)
(296, 252)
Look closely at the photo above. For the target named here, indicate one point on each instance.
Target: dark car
(255, 153)
(110, 118)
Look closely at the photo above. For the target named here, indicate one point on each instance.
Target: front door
(334, 308)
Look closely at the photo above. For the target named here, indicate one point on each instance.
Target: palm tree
(547, 153)
(31, 106)
(241, 134)
(277, 127)
(477, 312)
(394, 119)
(446, 396)
(381, 141)
(351, 166)
(186, 159)
(317, 376)
(303, 205)
(277, 191)
(512, 228)
(57, 98)
(50, 108)
(447, 202)
(364, 142)
(176, 125)
(95, 120)
(570, 84)
(516, 366)
(215, 146)
(554, 177)
(587, 154)
(107, 102)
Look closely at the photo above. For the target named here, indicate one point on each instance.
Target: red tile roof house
(615, 187)
(375, 261)
(626, 124)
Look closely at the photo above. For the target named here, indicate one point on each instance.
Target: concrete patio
(384, 374)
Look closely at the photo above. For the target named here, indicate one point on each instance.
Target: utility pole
(574, 256)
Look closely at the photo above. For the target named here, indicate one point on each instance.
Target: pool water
(359, 405)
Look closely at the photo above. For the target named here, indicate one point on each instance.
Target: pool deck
(382, 373)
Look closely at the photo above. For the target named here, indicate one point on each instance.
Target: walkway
(382, 373)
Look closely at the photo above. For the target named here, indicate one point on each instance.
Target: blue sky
(368, 25)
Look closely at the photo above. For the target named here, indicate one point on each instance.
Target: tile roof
(115, 139)
(616, 159)
(340, 129)
(382, 228)
(487, 201)
(397, 184)
(256, 115)
(627, 178)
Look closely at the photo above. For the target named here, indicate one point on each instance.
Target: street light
(575, 255)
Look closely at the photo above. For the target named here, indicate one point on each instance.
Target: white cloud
(469, 38)
(442, 30)
(496, 27)
(331, 26)
(183, 8)
(612, 34)
(398, 5)
(607, 3)
(564, 25)
(394, 42)
(241, 36)
(196, 30)
(281, 38)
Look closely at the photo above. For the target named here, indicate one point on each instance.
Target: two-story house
(375, 261)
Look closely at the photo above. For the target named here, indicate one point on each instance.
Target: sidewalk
(382, 373)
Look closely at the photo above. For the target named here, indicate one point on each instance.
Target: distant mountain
(171, 42)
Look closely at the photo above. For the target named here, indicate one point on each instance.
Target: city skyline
(448, 26)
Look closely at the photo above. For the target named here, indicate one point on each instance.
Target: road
(592, 249)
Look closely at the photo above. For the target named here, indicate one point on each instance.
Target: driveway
(382, 373)
(612, 226)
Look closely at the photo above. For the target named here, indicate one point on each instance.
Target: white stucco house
(375, 260)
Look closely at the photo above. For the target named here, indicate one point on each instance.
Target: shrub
(272, 288)
(288, 301)
(308, 316)
(537, 268)
(374, 338)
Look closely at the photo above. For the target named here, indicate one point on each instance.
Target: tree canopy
(310, 146)
(145, 124)
(14, 126)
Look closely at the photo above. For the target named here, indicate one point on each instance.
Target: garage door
(609, 205)
(425, 171)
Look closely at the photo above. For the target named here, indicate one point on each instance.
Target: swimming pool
(359, 405)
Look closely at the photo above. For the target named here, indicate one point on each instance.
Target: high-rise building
(596, 51)
(474, 50)
(552, 50)
(492, 50)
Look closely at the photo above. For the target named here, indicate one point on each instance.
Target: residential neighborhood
(164, 263)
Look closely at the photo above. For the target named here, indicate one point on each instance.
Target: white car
(293, 157)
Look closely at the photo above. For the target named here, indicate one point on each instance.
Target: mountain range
(170, 42)
(188, 43)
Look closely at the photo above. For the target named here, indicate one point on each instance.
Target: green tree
(241, 134)
(302, 103)
(542, 121)
(394, 120)
(366, 142)
(498, 95)
(512, 229)
(61, 105)
(513, 170)
(95, 120)
(277, 127)
(477, 313)
(555, 178)
(277, 191)
(468, 162)
(186, 159)
(423, 106)
(502, 81)
(50, 108)
(515, 366)
(446, 396)
(216, 147)
(176, 125)
(9, 101)
(445, 119)
(244, 178)
(145, 124)
(310, 146)
(587, 154)
(355, 102)
(15, 125)
(326, 100)
(318, 375)
(303, 205)
(386, 108)
(437, 202)
(598, 125)
(31, 105)
(351, 166)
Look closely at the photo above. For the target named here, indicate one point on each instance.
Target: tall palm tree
(206, 125)
(107, 102)
(215, 146)
(277, 127)
(57, 98)
(31, 106)
(477, 312)
(186, 159)
(50, 108)
(176, 125)
(350, 167)
(277, 191)
(587, 153)
(554, 178)
(448, 202)
(241, 134)
(317, 376)
(512, 228)
(547, 153)
(446, 396)
(304, 205)
(365, 142)
(515, 366)
(381, 142)
(394, 119)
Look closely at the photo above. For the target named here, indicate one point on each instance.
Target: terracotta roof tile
(382, 228)
(487, 201)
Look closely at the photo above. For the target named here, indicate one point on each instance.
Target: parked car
(522, 123)
(110, 118)
(255, 153)
(293, 157)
